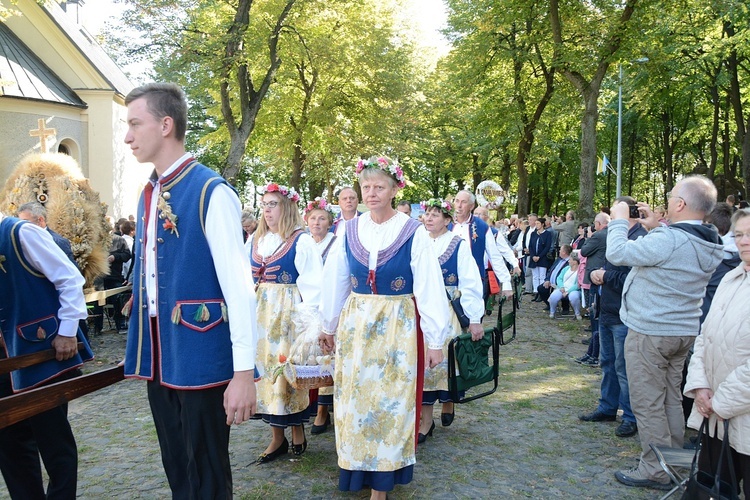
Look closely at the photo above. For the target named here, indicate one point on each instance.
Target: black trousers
(708, 460)
(193, 436)
(47, 434)
(194, 440)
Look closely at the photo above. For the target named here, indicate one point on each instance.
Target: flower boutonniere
(474, 234)
(166, 214)
(2, 259)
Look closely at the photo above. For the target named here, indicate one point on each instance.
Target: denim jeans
(614, 390)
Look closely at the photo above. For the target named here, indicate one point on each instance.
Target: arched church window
(70, 147)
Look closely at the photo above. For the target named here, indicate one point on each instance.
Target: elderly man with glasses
(661, 302)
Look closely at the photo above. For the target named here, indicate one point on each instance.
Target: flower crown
(289, 192)
(383, 163)
(318, 204)
(444, 206)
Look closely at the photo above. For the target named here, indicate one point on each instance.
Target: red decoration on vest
(371, 281)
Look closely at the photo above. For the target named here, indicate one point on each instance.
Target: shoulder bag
(704, 485)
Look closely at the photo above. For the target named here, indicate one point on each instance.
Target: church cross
(42, 133)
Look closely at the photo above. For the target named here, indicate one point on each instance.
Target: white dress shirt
(429, 290)
(469, 279)
(231, 264)
(490, 249)
(306, 259)
(45, 257)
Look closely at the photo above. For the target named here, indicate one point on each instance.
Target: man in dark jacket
(612, 334)
(594, 249)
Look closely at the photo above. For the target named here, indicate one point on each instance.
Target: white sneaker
(578, 317)
(551, 315)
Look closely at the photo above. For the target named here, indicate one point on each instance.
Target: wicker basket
(307, 377)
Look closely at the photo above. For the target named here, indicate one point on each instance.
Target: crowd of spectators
(684, 254)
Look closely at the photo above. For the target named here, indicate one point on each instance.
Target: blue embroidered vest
(29, 305)
(279, 267)
(393, 274)
(477, 242)
(194, 344)
(449, 262)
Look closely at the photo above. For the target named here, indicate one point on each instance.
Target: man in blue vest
(348, 201)
(41, 303)
(481, 240)
(35, 213)
(192, 325)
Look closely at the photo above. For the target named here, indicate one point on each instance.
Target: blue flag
(602, 165)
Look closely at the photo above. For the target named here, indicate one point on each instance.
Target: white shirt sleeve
(504, 248)
(338, 286)
(470, 284)
(310, 268)
(498, 264)
(429, 290)
(224, 235)
(46, 257)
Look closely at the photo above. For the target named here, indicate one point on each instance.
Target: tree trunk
(589, 91)
(667, 149)
(735, 98)
(235, 74)
(587, 178)
(746, 160)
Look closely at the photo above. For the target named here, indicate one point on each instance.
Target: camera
(634, 212)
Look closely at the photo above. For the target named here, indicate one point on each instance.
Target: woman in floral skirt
(385, 300)
(287, 271)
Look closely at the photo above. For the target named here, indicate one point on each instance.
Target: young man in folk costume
(192, 324)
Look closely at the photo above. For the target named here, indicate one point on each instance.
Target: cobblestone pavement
(524, 441)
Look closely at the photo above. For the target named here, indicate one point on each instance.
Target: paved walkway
(524, 441)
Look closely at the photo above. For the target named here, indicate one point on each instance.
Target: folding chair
(671, 460)
(507, 321)
(469, 366)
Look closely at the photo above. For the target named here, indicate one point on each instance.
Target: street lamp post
(618, 189)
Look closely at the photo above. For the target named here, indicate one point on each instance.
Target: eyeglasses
(740, 236)
(268, 204)
(678, 197)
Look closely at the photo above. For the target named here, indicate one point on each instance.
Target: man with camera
(615, 392)
(661, 298)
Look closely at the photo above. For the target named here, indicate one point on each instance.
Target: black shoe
(447, 418)
(626, 429)
(583, 359)
(597, 416)
(537, 298)
(592, 362)
(421, 438)
(320, 429)
(283, 449)
(299, 449)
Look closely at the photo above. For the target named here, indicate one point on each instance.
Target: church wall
(19, 117)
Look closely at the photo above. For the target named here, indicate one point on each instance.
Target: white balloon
(489, 192)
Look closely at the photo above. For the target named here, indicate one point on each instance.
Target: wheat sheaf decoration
(74, 210)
